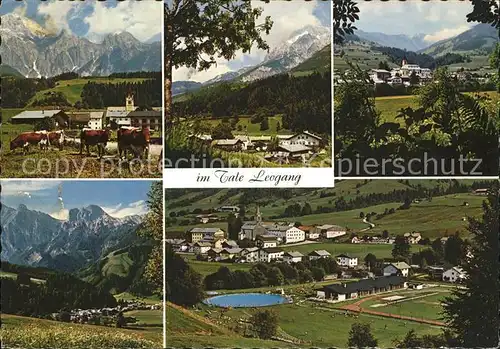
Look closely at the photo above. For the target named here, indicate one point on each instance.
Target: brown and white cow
(90, 137)
(134, 139)
(56, 138)
(25, 139)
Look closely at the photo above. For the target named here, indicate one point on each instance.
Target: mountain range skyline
(118, 199)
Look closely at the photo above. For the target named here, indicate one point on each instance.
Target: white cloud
(134, 208)
(412, 17)
(56, 14)
(287, 18)
(446, 33)
(142, 19)
(62, 215)
(27, 188)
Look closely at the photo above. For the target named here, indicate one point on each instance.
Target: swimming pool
(246, 300)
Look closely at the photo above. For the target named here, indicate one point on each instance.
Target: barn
(33, 116)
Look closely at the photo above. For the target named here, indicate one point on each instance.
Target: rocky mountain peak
(88, 213)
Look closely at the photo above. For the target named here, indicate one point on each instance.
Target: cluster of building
(454, 274)
(401, 75)
(127, 115)
(293, 147)
(83, 316)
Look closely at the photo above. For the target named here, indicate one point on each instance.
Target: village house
(229, 244)
(481, 191)
(345, 260)
(250, 254)
(435, 272)
(292, 152)
(310, 231)
(151, 119)
(304, 138)
(286, 233)
(379, 76)
(201, 247)
(213, 254)
(60, 118)
(229, 209)
(413, 238)
(331, 231)
(350, 290)
(317, 254)
(397, 268)
(292, 257)
(206, 218)
(355, 240)
(178, 245)
(230, 253)
(228, 144)
(266, 241)
(270, 254)
(198, 234)
(95, 121)
(455, 274)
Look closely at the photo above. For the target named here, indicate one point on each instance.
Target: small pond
(246, 300)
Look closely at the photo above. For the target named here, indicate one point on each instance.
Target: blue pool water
(246, 300)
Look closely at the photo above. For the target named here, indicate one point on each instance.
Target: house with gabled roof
(317, 254)
(292, 257)
(397, 268)
(345, 260)
(350, 290)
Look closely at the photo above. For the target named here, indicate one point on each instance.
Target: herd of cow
(133, 139)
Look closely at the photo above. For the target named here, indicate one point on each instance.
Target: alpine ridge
(35, 238)
(36, 52)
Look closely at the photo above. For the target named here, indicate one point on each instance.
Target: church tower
(129, 102)
(258, 216)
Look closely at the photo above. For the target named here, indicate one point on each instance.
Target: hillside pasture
(72, 89)
(24, 332)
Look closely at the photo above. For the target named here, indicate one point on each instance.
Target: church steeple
(258, 216)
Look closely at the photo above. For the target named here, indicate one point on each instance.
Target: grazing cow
(134, 139)
(94, 137)
(25, 139)
(57, 138)
(44, 144)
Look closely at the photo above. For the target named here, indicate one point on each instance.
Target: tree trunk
(168, 71)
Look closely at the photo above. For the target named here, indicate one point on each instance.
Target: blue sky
(92, 19)
(288, 16)
(438, 19)
(118, 198)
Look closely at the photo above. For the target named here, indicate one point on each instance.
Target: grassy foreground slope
(187, 328)
(25, 332)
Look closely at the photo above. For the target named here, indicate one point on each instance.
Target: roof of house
(96, 114)
(345, 255)
(365, 284)
(293, 254)
(330, 226)
(380, 71)
(458, 269)
(251, 249)
(215, 250)
(36, 114)
(306, 228)
(235, 250)
(272, 250)
(294, 148)
(319, 253)
(312, 135)
(175, 241)
(399, 265)
(260, 138)
(145, 113)
(227, 141)
(231, 243)
(203, 244)
(267, 237)
(205, 230)
(116, 114)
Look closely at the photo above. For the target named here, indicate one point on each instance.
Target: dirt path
(356, 307)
